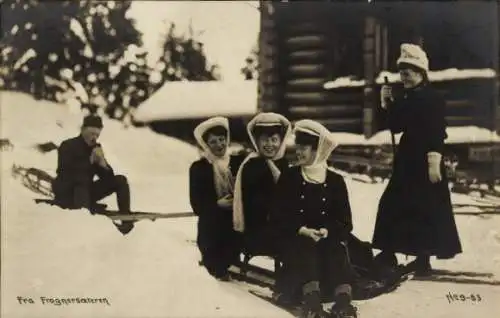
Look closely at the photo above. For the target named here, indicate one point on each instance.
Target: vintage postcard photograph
(249, 159)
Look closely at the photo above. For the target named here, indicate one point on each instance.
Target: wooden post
(385, 47)
(495, 160)
(268, 58)
(369, 70)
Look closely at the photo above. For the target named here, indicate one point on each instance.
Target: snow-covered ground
(153, 271)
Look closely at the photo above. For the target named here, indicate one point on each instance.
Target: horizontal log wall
(307, 62)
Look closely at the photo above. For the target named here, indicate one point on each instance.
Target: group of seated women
(262, 205)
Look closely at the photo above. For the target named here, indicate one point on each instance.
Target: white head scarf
(316, 172)
(223, 177)
(262, 119)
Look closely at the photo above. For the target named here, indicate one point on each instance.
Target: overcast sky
(230, 29)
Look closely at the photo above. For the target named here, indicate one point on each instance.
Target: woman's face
(409, 77)
(269, 145)
(217, 144)
(305, 154)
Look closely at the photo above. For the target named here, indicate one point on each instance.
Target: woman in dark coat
(415, 214)
(211, 186)
(256, 180)
(312, 221)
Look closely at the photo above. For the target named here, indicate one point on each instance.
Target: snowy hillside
(153, 271)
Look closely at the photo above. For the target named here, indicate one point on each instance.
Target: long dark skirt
(218, 243)
(415, 217)
(305, 261)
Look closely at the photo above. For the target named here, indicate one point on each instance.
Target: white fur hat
(414, 55)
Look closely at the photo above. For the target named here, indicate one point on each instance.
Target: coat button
(302, 196)
(322, 212)
(324, 184)
(324, 199)
(301, 211)
(303, 183)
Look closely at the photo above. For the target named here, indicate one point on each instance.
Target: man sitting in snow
(79, 160)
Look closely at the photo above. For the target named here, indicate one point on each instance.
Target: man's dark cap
(92, 121)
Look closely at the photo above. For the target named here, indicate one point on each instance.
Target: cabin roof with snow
(193, 100)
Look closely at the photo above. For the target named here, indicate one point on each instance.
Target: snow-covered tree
(51, 48)
(184, 58)
(251, 67)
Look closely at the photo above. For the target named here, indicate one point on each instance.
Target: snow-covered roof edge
(434, 76)
(456, 135)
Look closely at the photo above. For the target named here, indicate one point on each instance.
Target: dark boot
(124, 226)
(343, 307)
(386, 259)
(224, 278)
(386, 267)
(421, 266)
(312, 301)
(346, 311)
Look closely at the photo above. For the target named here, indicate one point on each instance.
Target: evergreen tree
(184, 58)
(250, 69)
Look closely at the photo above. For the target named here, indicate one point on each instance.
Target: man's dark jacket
(74, 168)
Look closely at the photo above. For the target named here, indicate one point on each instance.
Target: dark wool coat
(299, 203)
(74, 169)
(258, 189)
(415, 216)
(216, 238)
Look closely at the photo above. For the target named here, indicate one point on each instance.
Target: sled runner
(133, 216)
(138, 216)
(363, 287)
(294, 310)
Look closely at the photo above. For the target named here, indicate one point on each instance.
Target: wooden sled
(138, 216)
(131, 217)
(34, 179)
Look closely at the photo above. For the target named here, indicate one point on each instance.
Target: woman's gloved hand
(312, 233)
(434, 162)
(225, 202)
(323, 232)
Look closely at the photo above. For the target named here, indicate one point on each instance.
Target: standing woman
(211, 184)
(312, 220)
(256, 180)
(415, 214)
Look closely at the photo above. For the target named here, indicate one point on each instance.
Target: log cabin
(325, 60)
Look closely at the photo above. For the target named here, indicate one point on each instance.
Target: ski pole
(393, 139)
